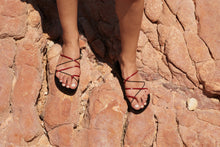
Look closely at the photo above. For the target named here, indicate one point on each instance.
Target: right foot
(70, 50)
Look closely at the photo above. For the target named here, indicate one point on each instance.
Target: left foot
(136, 91)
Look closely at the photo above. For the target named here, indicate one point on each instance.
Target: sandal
(139, 89)
(71, 60)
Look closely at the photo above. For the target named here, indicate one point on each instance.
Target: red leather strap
(66, 56)
(130, 76)
(67, 68)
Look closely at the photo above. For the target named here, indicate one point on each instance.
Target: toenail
(60, 80)
(67, 86)
(136, 106)
(145, 103)
(63, 85)
(73, 85)
(142, 106)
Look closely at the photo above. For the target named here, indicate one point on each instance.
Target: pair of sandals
(76, 77)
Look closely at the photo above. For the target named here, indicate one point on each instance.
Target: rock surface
(177, 55)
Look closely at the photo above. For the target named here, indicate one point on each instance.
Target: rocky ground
(178, 55)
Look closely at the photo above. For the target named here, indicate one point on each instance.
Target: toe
(135, 104)
(73, 84)
(145, 97)
(68, 82)
(140, 103)
(59, 76)
(64, 81)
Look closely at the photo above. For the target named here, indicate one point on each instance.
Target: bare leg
(68, 18)
(130, 15)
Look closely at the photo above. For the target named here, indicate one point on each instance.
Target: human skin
(129, 14)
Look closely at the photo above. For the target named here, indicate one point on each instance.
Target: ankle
(128, 67)
(69, 39)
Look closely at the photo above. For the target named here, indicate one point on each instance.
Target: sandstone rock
(5, 90)
(13, 8)
(166, 123)
(107, 110)
(208, 29)
(192, 104)
(141, 128)
(209, 74)
(34, 18)
(7, 52)
(13, 26)
(189, 136)
(197, 48)
(168, 19)
(62, 135)
(142, 40)
(187, 21)
(151, 32)
(211, 116)
(25, 94)
(173, 5)
(177, 54)
(60, 111)
(43, 141)
(53, 55)
(153, 9)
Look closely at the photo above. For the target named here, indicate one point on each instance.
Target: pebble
(192, 103)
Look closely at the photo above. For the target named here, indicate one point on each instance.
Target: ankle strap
(130, 76)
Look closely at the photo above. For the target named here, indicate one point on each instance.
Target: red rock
(13, 26)
(186, 118)
(62, 136)
(29, 122)
(197, 49)
(34, 18)
(149, 55)
(141, 128)
(33, 35)
(80, 138)
(209, 74)
(142, 40)
(5, 89)
(53, 55)
(24, 97)
(168, 19)
(187, 21)
(151, 32)
(206, 139)
(7, 51)
(13, 8)
(60, 111)
(207, 25)
(13, 135)
(211, 116)
(166, 122)
(28, 54)
(188, 136)
(86, 72)
(153, 9)
(107, 110)
(174, 5)
(27, 86)
(177, 54)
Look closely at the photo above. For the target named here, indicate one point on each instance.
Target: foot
(71, 50)
(136, 92)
